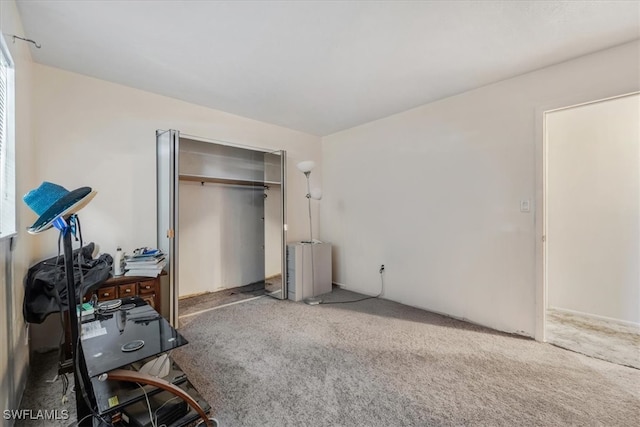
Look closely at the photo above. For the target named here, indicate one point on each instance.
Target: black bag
(46, 282)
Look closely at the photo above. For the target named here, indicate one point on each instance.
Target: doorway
(592, 228)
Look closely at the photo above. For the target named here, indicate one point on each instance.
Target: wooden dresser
(147, 288)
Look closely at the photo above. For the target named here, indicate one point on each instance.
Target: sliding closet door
(274, 224)
(167, 203)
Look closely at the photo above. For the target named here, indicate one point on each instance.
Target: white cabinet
(300, 285)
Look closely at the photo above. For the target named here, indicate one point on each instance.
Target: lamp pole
(311, 300)
(305, 167)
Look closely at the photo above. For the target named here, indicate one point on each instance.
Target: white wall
(221, 237)
(95, 133)
(593, 208)
(434, 193)
(14, 352)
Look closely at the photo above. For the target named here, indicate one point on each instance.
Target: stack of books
(144, 262)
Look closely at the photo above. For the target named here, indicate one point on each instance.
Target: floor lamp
(306, 167)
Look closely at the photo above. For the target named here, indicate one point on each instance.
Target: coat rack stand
(79, 374)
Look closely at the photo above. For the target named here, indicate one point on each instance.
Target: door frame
(541, 180)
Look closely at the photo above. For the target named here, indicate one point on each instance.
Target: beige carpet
(607, 340)
(377, 363)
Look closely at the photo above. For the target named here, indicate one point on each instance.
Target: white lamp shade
(306, 166)
(316, 194)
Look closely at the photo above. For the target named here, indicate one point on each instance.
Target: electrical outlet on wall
(525, 205)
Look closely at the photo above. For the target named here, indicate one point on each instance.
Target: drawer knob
(147, 287)
(128, 290)
(106, 294)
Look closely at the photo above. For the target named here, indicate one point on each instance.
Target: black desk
(103, 337)
(104, 334)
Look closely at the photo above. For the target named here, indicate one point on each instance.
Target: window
(7, 144)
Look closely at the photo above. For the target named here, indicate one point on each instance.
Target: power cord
(153, 416)
(153, 424)
(155, 413)
(79, 422)
(65, 387)
(365, 298)
(201, 422)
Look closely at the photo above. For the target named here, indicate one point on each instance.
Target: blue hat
(51, 201)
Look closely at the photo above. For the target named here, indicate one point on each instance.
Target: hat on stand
(51, 201)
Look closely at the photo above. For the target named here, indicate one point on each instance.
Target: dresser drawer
(147, 290)
(128, 290)
(107, 293)
(147, 287)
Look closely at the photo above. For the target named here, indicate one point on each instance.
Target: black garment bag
(46, 282)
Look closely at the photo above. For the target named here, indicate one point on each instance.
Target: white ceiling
(318, 66)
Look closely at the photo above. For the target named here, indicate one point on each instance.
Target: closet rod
(203, 179)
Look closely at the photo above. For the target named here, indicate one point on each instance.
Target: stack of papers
(144, 262)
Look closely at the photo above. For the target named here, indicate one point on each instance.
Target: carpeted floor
(43, 393)
(607, 340)
(266, 362)
(377, 363)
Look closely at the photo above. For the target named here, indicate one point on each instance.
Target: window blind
(7, 155)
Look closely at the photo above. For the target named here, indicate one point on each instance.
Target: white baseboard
(597, 317)
(347, 288)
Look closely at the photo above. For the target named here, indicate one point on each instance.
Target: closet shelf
(228, 181)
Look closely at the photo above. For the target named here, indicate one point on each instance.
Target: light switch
(525, 205)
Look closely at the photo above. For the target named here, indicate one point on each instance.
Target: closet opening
(228, 222)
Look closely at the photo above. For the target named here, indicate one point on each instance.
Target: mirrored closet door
(274, 229)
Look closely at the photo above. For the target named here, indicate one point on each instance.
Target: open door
(275, 283)
(167, 210)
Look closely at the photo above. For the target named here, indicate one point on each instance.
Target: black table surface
(103, 336)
